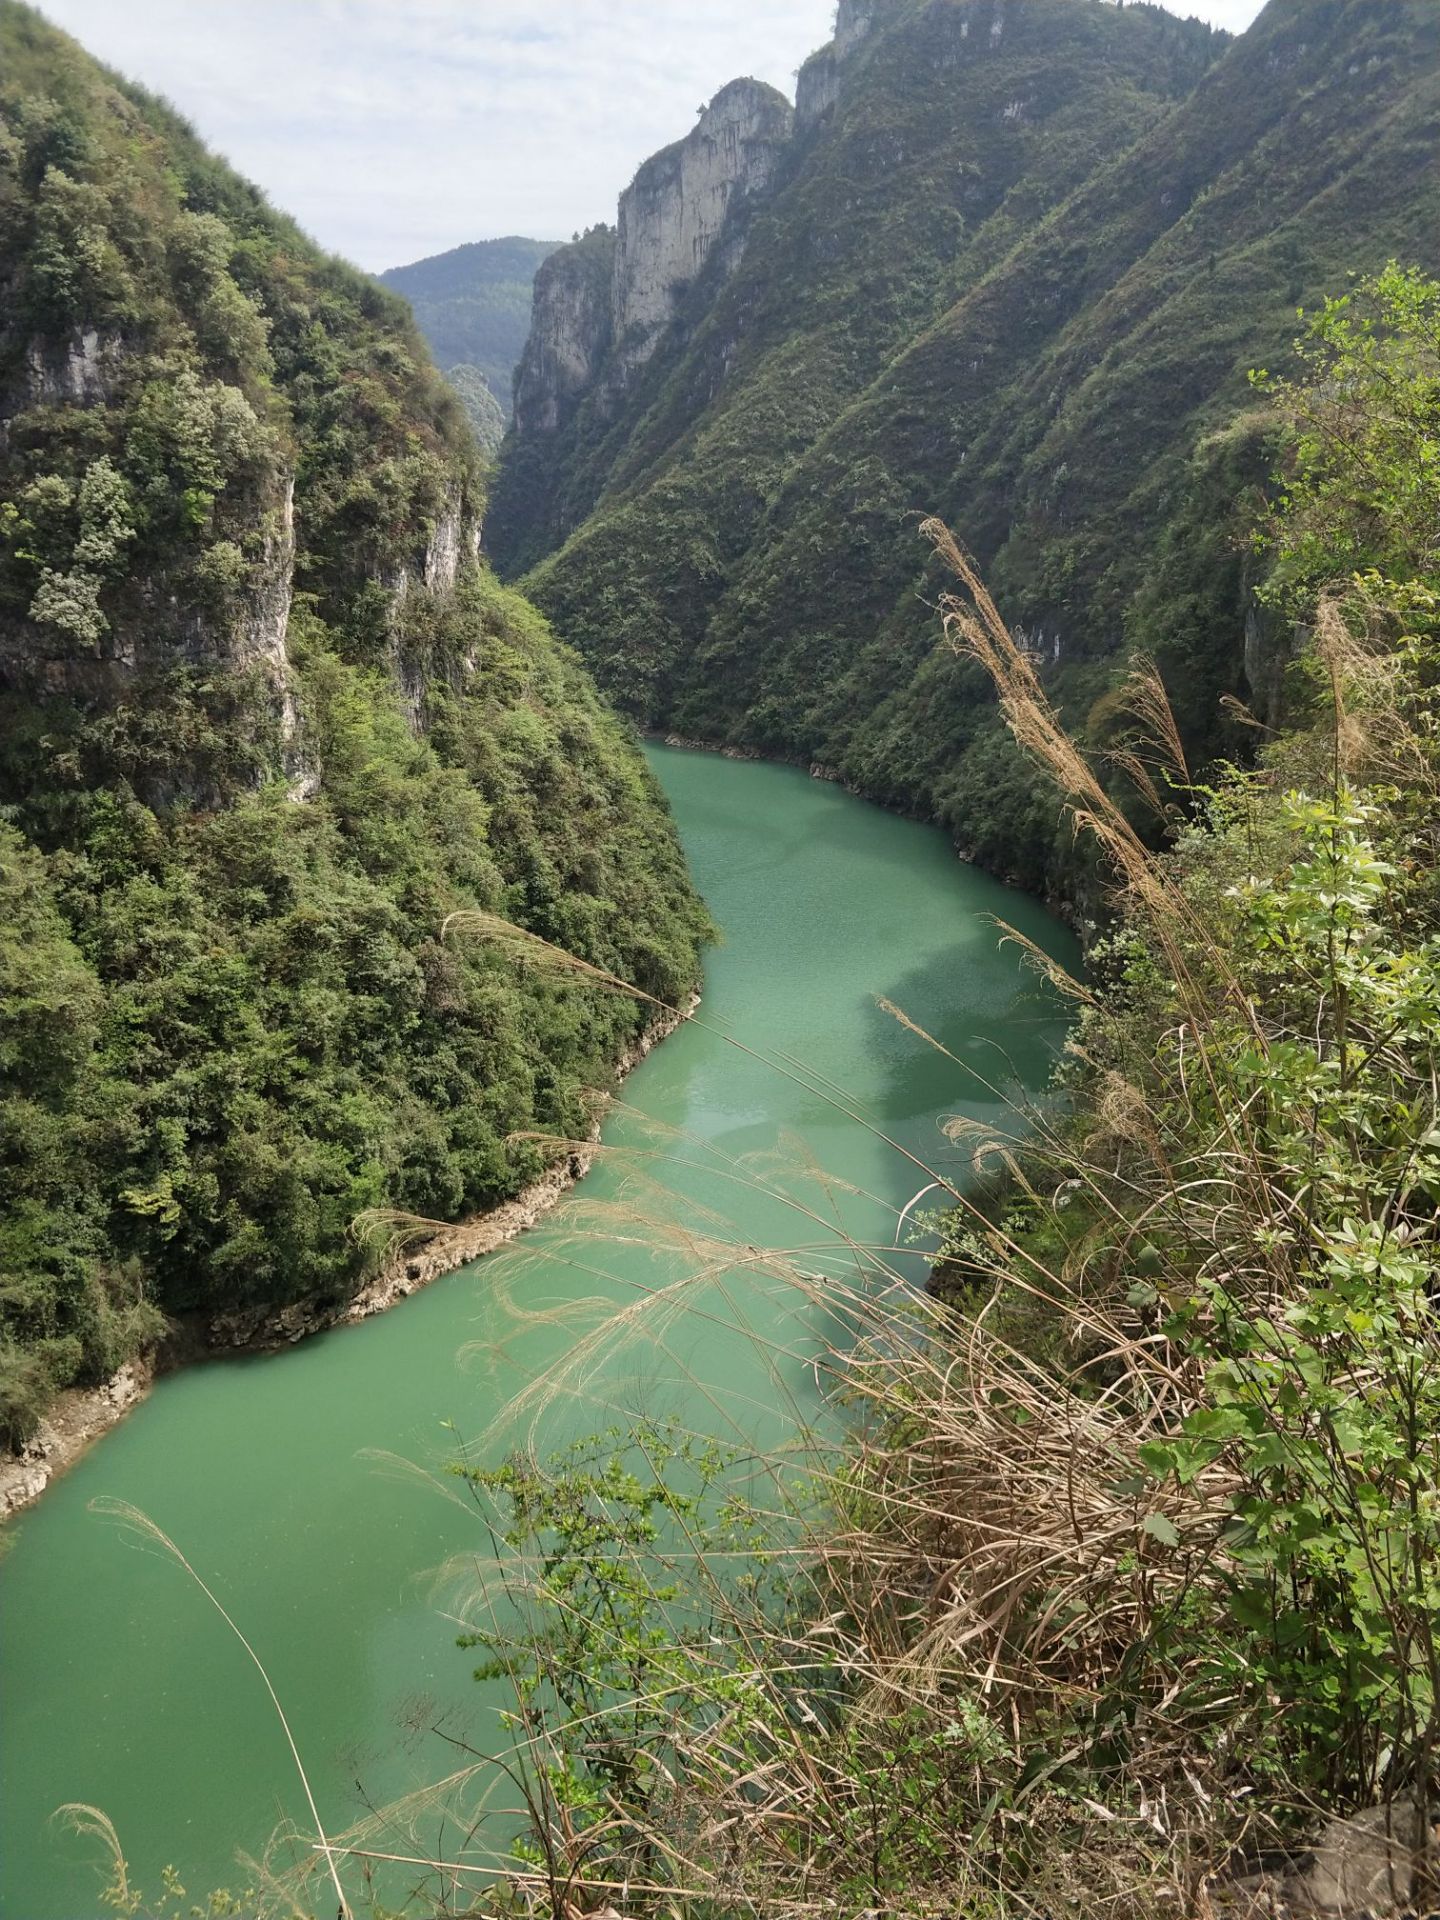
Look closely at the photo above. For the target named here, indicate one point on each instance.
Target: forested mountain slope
(1014, 269)
(473, 305)
(1122, 1596)
(875, 209)
(482, 409)
(264, 722)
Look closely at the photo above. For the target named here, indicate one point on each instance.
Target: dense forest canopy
(264, 724)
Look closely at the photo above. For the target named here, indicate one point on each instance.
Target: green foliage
(482, 409)
(70, 601)
(1321, 1370)
(276, 1037)
(1262, 1070)
(1148, 1517)
(616, 1636)
(1019, 285)
(473, 306)
(239, 803)
(1362, 452)
(1322, 1398)
(76, 269)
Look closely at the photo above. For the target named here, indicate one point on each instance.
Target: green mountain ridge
(472, 303)
(265, 723)
(1013, 272)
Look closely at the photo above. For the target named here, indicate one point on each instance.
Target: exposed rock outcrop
(81, 372)
(1363, 1867)
(817, 87)
(76, 1420)
(265, 617)
(570, 331)
(262, 634)
(603, 304)
(146, 617)
(674, 213)
(853, 21)
(452, 545)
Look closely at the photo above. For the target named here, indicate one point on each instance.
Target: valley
(921, 637)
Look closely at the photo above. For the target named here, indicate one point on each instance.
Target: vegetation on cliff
(1125, 1569)
(1015, 273)
(482, 409)
(264, 724)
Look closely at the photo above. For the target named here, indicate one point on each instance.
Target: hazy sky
(392, 129)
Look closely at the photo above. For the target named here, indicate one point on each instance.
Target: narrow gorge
(1013, 268)
(915, 647)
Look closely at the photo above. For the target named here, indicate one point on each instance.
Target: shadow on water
(298, 1485)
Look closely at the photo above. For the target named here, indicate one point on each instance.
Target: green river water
(283, 1478)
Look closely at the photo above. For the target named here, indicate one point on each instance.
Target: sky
(394, 129)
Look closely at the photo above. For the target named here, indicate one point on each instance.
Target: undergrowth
(1125, 1563)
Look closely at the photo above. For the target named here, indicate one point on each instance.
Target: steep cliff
(605, 304)
(676, 213)
(817, 85)
(1014, 271)
(571, 328)
(915, 178)
(264, 723)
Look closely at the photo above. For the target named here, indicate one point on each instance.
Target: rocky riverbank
(81, 1415)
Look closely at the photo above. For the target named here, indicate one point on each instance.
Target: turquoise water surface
(299, 1484)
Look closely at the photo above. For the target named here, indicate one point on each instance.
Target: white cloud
(396, 128)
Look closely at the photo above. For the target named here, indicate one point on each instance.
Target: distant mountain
(473, 305)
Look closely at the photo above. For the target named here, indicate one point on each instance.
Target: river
(283, 1478)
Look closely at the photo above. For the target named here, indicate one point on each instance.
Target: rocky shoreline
(816, 769)
(81, 1415)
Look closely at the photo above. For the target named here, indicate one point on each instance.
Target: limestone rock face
(441, 554)
(156, 621)
(818, 85)
(161, 615)
(602, 304)
(853, 21)
(675, 210)
(82, 371)
(265, 617)
(451, 548)
(570, 332)
(453, 545)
